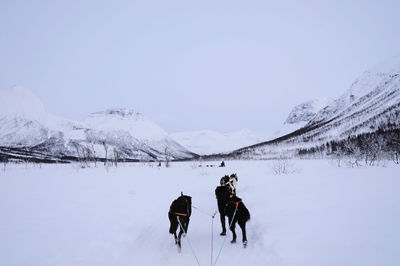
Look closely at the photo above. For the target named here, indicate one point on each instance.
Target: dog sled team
(229, 205)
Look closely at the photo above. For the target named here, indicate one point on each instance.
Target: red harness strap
(236, 202)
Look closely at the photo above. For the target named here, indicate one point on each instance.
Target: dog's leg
(176, 238)
(178, 241)
(233, 229)
(180, 231)
(222, 218)
(244, 238)
(175, 227)
(186, 225)
(179, 237)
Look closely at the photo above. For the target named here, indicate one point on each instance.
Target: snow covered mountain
(26, 130)
(371, 103)
(209, 142)
(306, 111)
(22, 118)
(133, 134)
(300, 115)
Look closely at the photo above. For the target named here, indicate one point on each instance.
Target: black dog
(237, 212)
(222, 193)
(228, 184)
(179, 215)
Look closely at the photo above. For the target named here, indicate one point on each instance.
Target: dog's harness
(235, 202)
(180, 214)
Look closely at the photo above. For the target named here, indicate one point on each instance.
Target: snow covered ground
(320, 215)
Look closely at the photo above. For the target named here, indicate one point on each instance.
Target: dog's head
(224, 180)
(187, 198)
(233, 176)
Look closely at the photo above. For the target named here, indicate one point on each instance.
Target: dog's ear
(181, 193)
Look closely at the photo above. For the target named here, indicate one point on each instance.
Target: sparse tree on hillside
(394, 146)
(167, 157)
(87, 155)
(93, 153)
(106, 152)
(5, 161)
(78, 155)
(115, 157)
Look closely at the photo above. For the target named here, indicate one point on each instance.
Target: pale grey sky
(191, 65)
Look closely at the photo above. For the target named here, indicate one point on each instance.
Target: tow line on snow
(203, 212)
(187, 238)
(223, 243)
(212, 228)
(212, 235)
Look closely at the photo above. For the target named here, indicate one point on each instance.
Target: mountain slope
(132, 131)
(300, 115)
(371, 103)
(372, 100)
(27, 131)
(306, 111)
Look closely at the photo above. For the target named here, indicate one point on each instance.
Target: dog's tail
(173, 223)
(246, 213)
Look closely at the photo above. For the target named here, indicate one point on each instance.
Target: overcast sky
(191, 65)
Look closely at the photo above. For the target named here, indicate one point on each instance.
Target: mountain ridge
(371, 103)
(117, 133)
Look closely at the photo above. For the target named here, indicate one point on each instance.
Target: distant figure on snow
(222, 164)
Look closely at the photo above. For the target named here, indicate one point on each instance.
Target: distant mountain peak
(306, 111)
(21, 102)
(120, 112)
(24, 124)
(372, 103)
(125, 120)
(209, 142)
(376, 82)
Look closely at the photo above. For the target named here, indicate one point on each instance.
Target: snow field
(321, 215)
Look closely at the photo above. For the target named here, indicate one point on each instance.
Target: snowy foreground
(320, 215)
